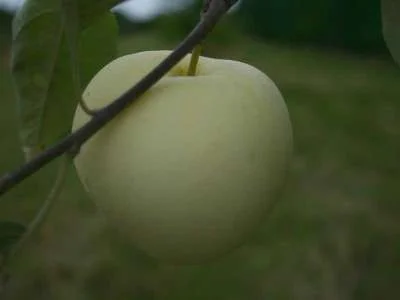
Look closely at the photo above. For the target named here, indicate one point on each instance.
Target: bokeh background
(334, 235)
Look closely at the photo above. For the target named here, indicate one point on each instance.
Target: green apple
(190, 169)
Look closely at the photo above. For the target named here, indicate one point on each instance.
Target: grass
(334, 235)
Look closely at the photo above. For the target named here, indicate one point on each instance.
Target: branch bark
(212, 13)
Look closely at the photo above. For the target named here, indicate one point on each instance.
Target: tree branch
(213, 11)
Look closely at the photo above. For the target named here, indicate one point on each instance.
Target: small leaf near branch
(56, 48)
(391, 26)
(10, 233)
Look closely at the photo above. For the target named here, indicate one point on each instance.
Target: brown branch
(215, 9)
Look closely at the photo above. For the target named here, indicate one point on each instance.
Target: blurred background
(334, 235)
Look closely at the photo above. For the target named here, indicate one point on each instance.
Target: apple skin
(189, 170)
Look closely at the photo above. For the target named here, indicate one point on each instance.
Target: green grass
(334, 235)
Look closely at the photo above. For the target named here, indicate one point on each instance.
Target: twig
(215, 10)
(47, 205)
(86, 108)
(36, 222)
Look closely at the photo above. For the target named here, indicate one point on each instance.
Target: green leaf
(58, 45)
(391, 26)
(10, 233)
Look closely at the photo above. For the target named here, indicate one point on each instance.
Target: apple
(189, 170)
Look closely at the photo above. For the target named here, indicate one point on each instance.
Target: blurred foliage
(5, 27)
(175, 26)
(353, 25)
(390, 26)
(172, 25)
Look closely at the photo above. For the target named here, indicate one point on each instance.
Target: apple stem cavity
(194, 60)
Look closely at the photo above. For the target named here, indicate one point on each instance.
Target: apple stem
(194, 60)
